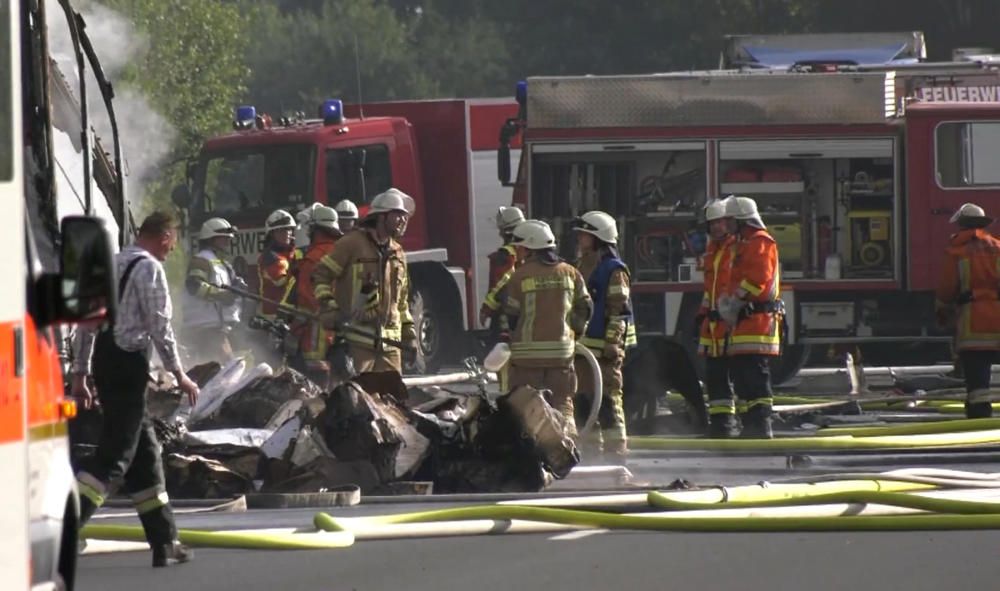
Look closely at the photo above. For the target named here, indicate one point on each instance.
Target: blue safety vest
(597, 285)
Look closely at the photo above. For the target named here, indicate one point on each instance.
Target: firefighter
(967, 300)
(753, 310)
(717, 263)
(611, 330)
(347, 214)
(314, 340)
(546, 303)
(274, 264)
(365, 282)
(302, 231)
(210, 311)
(502, 262)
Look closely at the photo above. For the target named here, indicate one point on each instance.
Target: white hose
(595, 372)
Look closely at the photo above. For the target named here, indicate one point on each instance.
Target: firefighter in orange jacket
(502, 263)
(967, 298)
(717, 265)
(274, 263)
(547, 304)
(754, 312)
(314, 340)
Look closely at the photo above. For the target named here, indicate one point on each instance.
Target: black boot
(723, 426)
(87, 510)
(978, 410)
(757, 423)
(170, 554)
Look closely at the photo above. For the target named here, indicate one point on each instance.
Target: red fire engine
(53, 278)
(441, 152)
(855, 149)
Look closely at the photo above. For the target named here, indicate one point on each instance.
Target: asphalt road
(583, 560)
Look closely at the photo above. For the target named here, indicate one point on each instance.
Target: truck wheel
(433, 328)
(793, 358)
(68, 550)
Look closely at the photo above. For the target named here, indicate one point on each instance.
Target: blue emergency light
(521, 93)
(245, 117)
(332, 112)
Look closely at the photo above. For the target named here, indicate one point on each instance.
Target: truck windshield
(257, 178)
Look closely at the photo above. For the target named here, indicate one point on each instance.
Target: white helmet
(347, 210)
(744, 209)
(508, 217)
(971, 215)
(215, 227)
(325, 217)
(306, 214)
(392, 200)
(599, 224)
(279, 220)
(715, 209)
(534, 235)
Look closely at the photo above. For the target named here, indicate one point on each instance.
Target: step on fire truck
(855, 148)
(441, 152)
(53, 278)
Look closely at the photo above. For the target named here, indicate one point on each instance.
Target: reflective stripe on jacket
(970, 281)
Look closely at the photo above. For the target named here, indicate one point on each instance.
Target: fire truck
(57, 276)
(441, 152)
(856, 149)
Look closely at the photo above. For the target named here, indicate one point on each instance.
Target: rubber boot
(978, 410)
(757, 423)
(87, 510)
(723, 426)
(161, 533)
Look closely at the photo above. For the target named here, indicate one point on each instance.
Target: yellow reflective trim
(751, 288)
(160, 500)
(618, 290)
(328, 262)
(544, 283)
(759, 402)
(49, 431)
(528, 322)
(964, 275)
(198, 274)
(592, 343)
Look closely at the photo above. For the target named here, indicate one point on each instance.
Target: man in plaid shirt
(128, 448)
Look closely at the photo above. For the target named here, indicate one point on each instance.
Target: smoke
(146, 136)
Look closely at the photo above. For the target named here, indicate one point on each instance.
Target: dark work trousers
(977, 366)
(721, 402)
(128, 449)
(751, 375)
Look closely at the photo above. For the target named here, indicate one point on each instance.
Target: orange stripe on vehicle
(12, 402)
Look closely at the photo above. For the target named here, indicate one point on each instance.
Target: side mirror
(503, 164)
(181, 196)
(87, 272)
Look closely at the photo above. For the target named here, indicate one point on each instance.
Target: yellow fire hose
(948, 426)
(833, 442)
(242, 539)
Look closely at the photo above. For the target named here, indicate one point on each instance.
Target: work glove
(612, 351)
(241, 284)
(729, 309)
(484, 315)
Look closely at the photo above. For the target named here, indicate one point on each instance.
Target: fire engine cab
(856, 150)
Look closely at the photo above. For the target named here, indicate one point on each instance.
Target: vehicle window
(268, 178)
(968, 154)
(341, 173)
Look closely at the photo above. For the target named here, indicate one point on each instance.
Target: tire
(68, 550)
(436, 334)
(792, 359)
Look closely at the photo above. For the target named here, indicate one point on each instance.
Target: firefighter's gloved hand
(612, 351)
(729, 308)
(241, 284)
(484, 315)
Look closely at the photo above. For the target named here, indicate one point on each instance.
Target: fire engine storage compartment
(820, 153)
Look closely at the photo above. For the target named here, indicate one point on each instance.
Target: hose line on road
(830, 442)
(267, 539)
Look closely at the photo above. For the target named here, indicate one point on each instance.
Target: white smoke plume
(146, 136)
